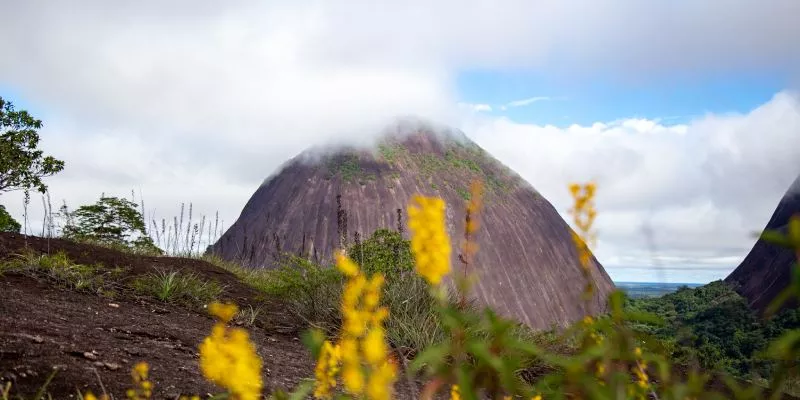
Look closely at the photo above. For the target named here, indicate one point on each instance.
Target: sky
(685, 113)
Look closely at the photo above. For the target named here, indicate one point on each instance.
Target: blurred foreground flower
(229, 359)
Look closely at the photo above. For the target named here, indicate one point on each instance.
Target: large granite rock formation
(529, 268)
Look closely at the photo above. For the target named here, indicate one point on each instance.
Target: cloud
(476, 107)
(701, 188)
(525, 102)
(200, 101)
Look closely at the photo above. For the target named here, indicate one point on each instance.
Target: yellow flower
(537, 397)
(430, 243)
(224, 312)
(346, 265)
(374, 346)
(140, 370)
(363, 348)
(326, 370)
(583, 214)
(229, 359)
(455, 393)
(143, 388)
(353, 378)
(380, 381)
(601, 369)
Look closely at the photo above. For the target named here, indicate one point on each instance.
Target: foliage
(391, 151)
(62, 271)
(111, 221)
(384, 252)
(7, 222)
(22, 164)
(348, 168)
(178, 287)
(310, 292)
(713, 327)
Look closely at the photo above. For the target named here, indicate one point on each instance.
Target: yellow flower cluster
(642, 378)
(429, 240)
(474, 207)
(366, 368)
(91, 396)
(228, 357)
(455, 393)
(326, 370)
(143, 388)
(583, 215)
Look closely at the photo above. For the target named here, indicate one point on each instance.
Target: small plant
(178, 287)
(247, 316)
(60, 270)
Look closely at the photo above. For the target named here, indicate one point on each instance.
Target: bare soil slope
(43, 327)
(529, 268)
(766, 270)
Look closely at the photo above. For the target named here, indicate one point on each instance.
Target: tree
(110, 221)
(22, 164)
(7, 222)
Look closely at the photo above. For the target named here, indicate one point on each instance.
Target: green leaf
(793, 231)
(786, 347)
(480, 349)
(433, 356)
(313, 339)
(778, 301)
(302, 390)
(465, 383)
(776, 238)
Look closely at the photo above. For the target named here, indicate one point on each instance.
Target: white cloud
(526, 102)
(702, 188)
(476, 107)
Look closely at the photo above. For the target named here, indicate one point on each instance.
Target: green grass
(348, 169)
(247, 316)
(464, 193)
(60, 270)
(391, 152)
(462, 162)
(177, 287)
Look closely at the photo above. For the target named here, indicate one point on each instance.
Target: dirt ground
(93, 341)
